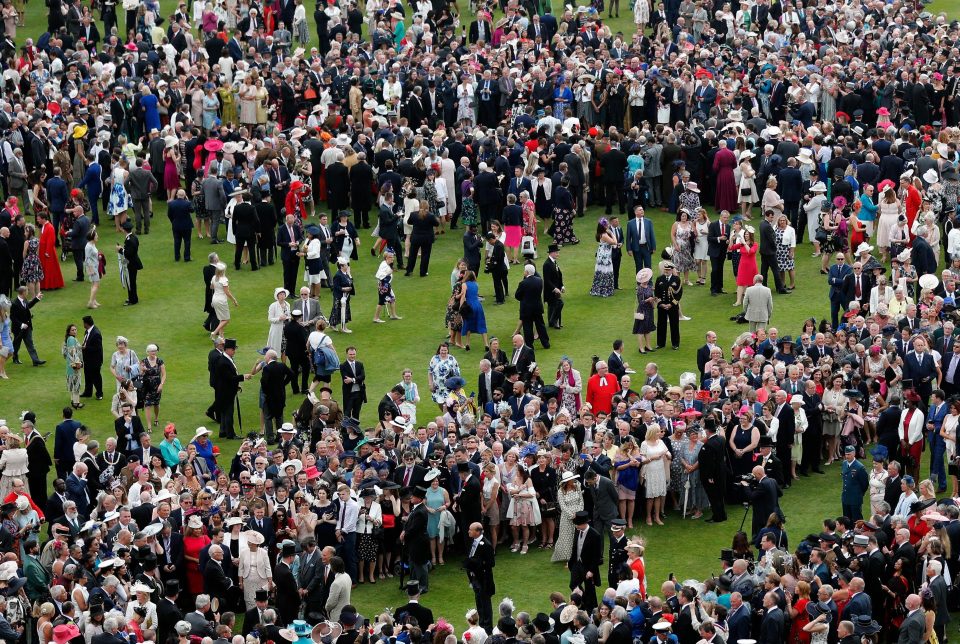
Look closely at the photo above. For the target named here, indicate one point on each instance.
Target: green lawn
(170, 315)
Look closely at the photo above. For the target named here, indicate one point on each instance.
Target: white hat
(23, 503)
(943, 150)
(818, 187)
(254, 537)
(772, 132)
(665, 626)
(931, 176)
(297, 132)
(796, 399)
(140, 587)
(342, 139)
(904, 256)
(286, 428)
(229, 147)
(432, 474)
(746, 154)
(232, 521)
(907, 175)
(296, 464)
(806, 156)
(152, 530)
(928, 281)
(864, 247)
(111, 516)
(195, 522)
(201, 431)
(163, 495)
(566, 477)
(279, 290)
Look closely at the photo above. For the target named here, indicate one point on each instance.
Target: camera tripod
(746, 511)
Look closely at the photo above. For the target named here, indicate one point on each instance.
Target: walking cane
(686, 496)
(239, 417)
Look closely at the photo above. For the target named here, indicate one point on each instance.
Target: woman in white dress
(747, 187)
(948, 430)
(466, 109)
(878, 480)
(221, 298)
(889, 210)
(254, 568)
(13, 462)
(278, 314)
(700, 246)
(656, 464)
(119, 199)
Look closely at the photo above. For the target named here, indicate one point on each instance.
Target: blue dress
(151, 115)
(434, 500)
(476, 322)
(6, 340)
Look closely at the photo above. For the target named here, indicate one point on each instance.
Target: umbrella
(686, 495)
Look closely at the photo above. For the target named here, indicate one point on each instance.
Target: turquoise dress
(434, 500)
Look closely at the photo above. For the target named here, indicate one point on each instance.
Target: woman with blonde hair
(6, 336)
(220, 302)
(489, 500)
(656, 458)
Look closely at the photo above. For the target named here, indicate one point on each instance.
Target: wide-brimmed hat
(815, 609)
(864, 247)
(296, 464)
(79, 131)
(865, 625)
(747, 154)
(568, 613)
(805, 156)
(928, 281)
(566, 477)
(692, 186)
(819, 186)
(254, 537)
(63, 633)
(931, 176)
(277, 291)
(195, 522)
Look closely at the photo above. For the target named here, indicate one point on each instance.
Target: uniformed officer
(618, 551)
(855, 483)
(668, 290)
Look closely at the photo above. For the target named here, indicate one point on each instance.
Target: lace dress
(654, 474)
(569, 503)
(683, 250)
(603, 272)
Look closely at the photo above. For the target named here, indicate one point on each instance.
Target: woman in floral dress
(603, 270)
(442, 366)
(688, 453)
(529, 218)
(154, 374)
(570, 385)
(570, 501)
(563, 215)
(683, 235)
(31, 274)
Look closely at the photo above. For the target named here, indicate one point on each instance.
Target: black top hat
(581, 517)
(229, 343)
(413, 588)
(261, 595)
(463, 467)
(171, 587)
(419, 491)
(726, 554)
(553, 248)
(288, 550)
(766, 441)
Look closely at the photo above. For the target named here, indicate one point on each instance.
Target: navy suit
(738, 623)
(289, 257)
(266, 530)
(57, 195)
(922, 369)
(790, 186)
(839, 297)
(859, 604)
(515, 188)
(641, 252)
(93, 182)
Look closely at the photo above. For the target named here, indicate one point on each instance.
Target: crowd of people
(752, 124)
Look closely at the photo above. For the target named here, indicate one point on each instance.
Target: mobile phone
(366, 622)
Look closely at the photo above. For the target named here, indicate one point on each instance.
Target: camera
(749, 479)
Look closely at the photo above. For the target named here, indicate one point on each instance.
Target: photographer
(763, 494)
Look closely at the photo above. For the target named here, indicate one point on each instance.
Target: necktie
(406, 478)
(580, 543)
(343, 514)
(516, 356)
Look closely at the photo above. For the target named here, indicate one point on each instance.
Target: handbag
(466, 310)
(638, 316)
(745, 192)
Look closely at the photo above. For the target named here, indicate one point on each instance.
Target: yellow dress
(262, 96)
(229, 104)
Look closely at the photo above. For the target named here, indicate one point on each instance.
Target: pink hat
(312, 472)
(883, 112)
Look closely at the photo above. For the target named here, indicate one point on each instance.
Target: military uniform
(618, 557)
(668, 291)
(855, 483)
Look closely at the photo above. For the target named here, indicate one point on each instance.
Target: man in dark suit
(468, 500)
(354, 387)
(288, 594)
(361, 178)
(689, 612)
(488, 381)
(522, 355)
(585, 559)
(92, 349)
(128, 429)
(414, 537)
(497, 267)
(21, 323)
(951, 371)
(6, 264)
(914, 625)
(790, 186)
(274, 378)
(705, 95)
(763, 497)
(409, 473)
(768, 253)
(717, 240)
(215, 582)
(167, 612)
(615, 363)
(839, 295)
(713, 470)
(920, 366)
(479, 565)
(614, 166)
(254, 616)
(641, 240)
(390, 403)
(530, 295)
(413, 608)
(246, 226)
(227, 380)
(77, 489)
(553, 287)
(739, 619)
(480, 30)
(785, 414)
(577, 176)
(288, 239)
(131, 254)
(488, 195)
(772, 625)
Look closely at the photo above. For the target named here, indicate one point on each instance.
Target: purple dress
(725, 197)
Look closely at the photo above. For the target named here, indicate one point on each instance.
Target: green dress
(228, 106)
(73, 356)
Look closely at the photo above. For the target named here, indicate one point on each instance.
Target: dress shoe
(79, 279)
(86, 395)
(783, 291)
(99, 396)
(37, 363)
(17, 362)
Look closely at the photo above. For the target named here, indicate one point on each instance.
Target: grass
(170, 315)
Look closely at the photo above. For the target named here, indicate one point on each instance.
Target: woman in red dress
(748, 263)
(49, 258)
(194, 540)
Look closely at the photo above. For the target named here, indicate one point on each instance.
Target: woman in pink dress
(748, 263)
(171, 169)
(726, 196)
(49, 257)
(194, 540)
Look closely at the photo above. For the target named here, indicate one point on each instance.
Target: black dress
(646, 325)
(545, 484)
